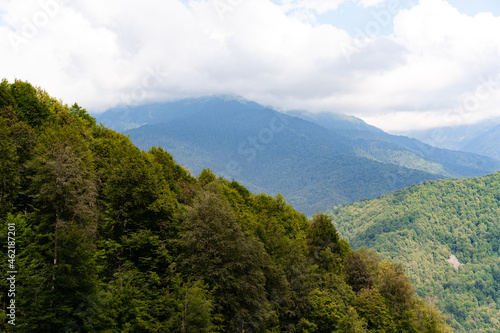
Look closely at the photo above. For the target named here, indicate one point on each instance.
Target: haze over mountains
(481, 138)
(317, 161)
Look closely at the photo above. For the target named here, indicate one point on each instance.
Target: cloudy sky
(397, 64)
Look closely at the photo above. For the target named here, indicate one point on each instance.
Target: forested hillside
(315, 164)
(425, 227)
(109, 238)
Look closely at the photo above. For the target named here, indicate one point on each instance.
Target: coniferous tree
(231, 262)
(323, 243)
(358, 276)
(64, 194)
(9, 168)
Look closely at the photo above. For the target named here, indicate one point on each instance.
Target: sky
(397, 64)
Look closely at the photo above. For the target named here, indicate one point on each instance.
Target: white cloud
(448, 54)
(319, 6)
(323, 6)
(101, 54)
(372, 3)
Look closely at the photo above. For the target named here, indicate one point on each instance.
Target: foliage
(110, 238)
(357, 274)
(421, 227)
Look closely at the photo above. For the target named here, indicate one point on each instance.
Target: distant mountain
(481, 138)
(487, 144)
(335, 121)
(315, 164)
(446, 234)
(374, 143)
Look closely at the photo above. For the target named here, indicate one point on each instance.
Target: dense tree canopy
(426, 226)
(110, 238)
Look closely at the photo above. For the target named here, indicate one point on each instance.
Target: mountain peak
(316, 161)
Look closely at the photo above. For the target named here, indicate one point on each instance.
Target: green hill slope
(422, 227)
(99, 236)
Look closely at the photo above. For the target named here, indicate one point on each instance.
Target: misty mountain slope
(372, 142)
(423, 227)
(307, 164)
(335, 121)
(313, 166)
(481, 138)
(487, 144)
(434, 160)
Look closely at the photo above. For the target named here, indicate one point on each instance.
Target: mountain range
(317, 161)
(480, 138)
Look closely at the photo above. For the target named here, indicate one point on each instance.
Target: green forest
(109, 238)
(422, 227)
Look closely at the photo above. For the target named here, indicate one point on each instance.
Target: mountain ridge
(479, 138)
(316, 167)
